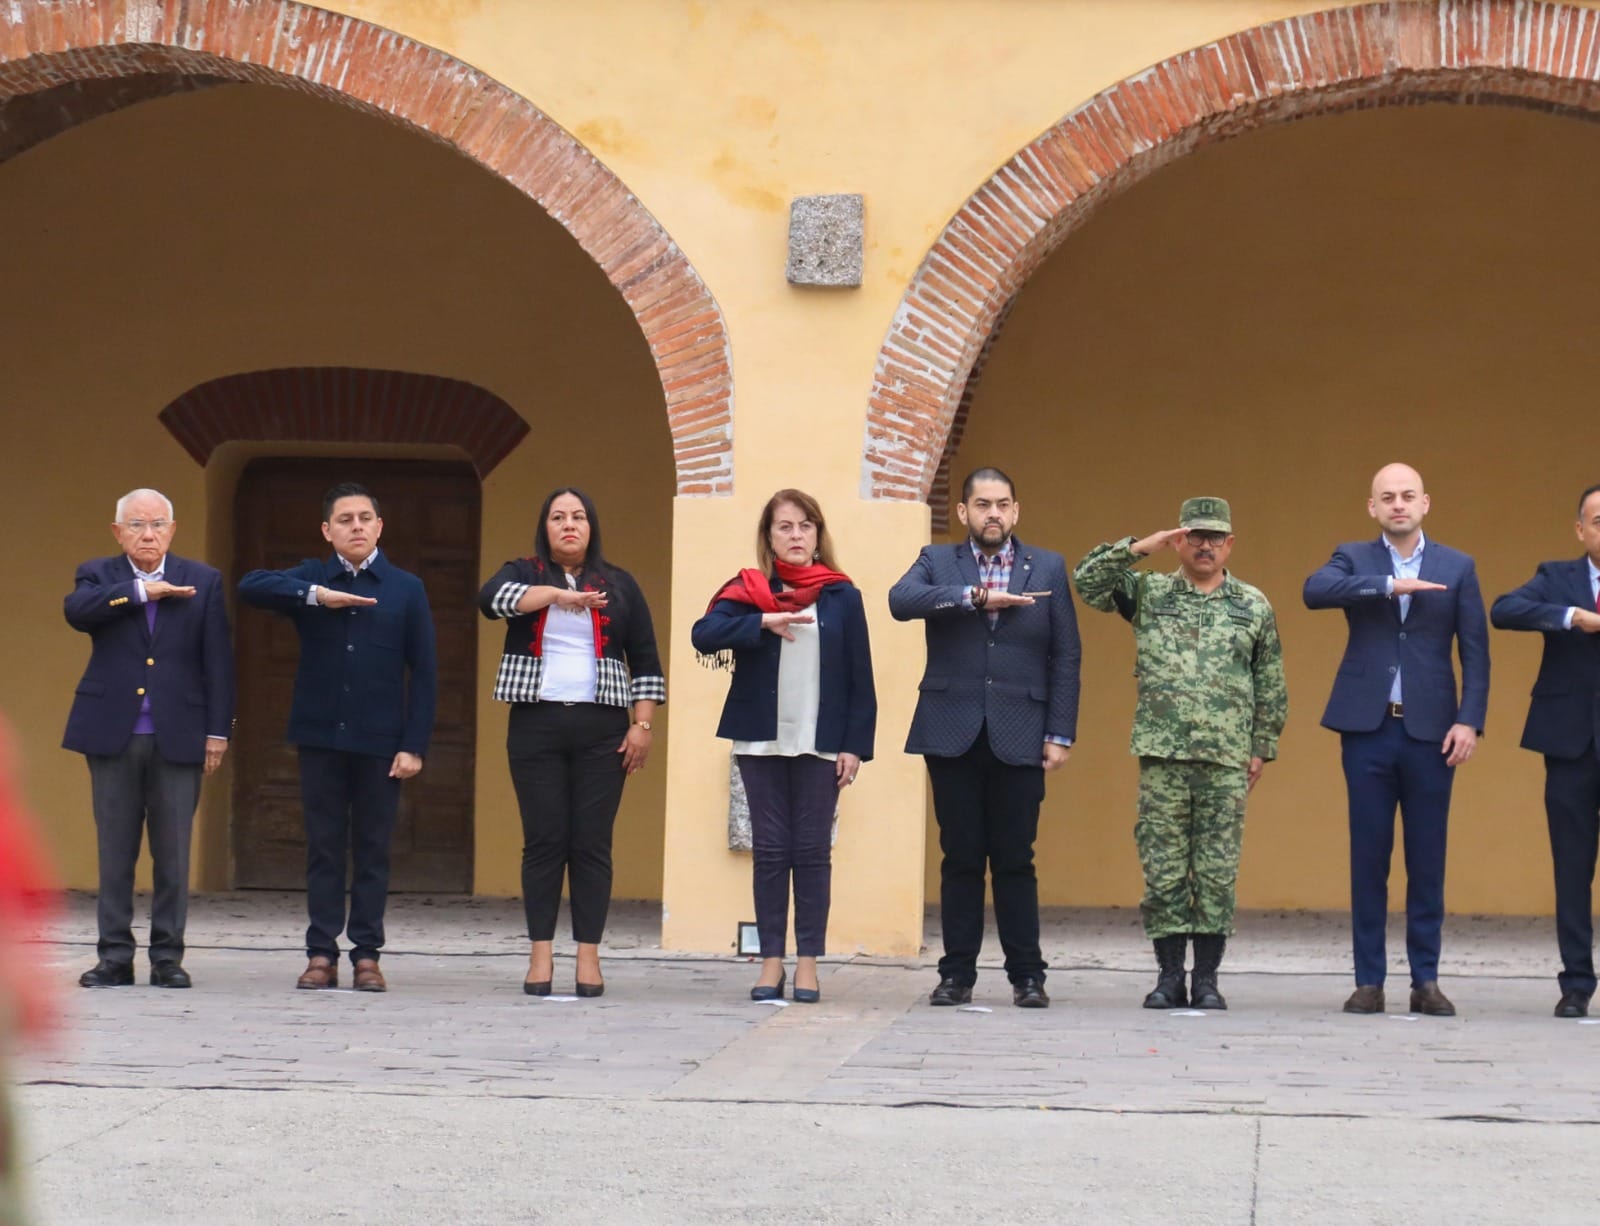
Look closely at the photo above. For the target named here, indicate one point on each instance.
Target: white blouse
(799, 698)
(569, 670)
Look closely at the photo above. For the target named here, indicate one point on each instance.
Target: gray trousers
(136, 788)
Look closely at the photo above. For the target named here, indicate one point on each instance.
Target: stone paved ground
(674, 1098)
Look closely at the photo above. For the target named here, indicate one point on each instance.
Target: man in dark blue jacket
(1407, 600)
(1560, 602)
(997, 708)
(360, 725)
(152, 714)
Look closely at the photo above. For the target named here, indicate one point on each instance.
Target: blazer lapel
(1021, 567)
(1578, 581)
(1383, 564)
(966, 564)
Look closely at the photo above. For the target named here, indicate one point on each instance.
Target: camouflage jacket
(1209, 666)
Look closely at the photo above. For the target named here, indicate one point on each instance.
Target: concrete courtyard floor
(455, 1098)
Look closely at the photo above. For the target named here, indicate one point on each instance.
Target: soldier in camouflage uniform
(1212, 703)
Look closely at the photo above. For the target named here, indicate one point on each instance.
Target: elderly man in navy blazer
(361, 718)
(1560, 602)
(152, 715)
(997, 708)
(1403, 728)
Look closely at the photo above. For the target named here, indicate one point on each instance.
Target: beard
(989, 536)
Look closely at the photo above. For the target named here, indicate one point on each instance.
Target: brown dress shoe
(1367, 998)
(320, 972)
(368, 977)
(1426, 998)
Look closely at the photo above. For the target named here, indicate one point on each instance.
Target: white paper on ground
(776, 1004)
(974, 1009)
(1188, 1013)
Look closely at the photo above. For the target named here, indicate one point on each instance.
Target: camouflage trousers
(1190, 828)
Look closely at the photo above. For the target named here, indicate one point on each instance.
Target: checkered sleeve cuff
(648, 689)
(505, 600)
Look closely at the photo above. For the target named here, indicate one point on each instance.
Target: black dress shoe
(1029, 993)
(949, 992)
(539, 987)
(770, 991)
(1573, 1004)
(105, 974)
(590, 990)
(169, 975)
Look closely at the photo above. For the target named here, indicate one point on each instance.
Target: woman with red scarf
(801, 714)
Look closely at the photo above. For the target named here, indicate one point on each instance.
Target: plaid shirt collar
(995, 572)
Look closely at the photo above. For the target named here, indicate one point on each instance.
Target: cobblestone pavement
(1280, 1109)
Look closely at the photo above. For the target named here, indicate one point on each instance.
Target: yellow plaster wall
(1272, 320)
(715, 113)
(244, 228)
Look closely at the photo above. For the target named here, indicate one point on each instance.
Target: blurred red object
(27, 901)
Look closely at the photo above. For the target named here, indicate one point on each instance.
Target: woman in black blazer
(801, 713)
(583, 678)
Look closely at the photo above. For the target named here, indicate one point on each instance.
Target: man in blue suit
(360, 726)
(1403, 729)
(1560, 602)
(997, 708)
(152, 715)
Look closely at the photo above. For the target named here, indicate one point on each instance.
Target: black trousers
(1572, 808)
(988, 815)
(135, 789)
(350, 808)
(568, 776)
(792, 802)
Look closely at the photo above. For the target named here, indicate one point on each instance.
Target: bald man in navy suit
(152, 714)
(1404, 728)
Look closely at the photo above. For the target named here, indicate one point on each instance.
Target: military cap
(1206, 514)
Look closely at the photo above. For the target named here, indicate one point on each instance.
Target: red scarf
(803, 584)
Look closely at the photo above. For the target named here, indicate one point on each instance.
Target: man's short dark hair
(1584, 497)
(985, 474)
(347, 489)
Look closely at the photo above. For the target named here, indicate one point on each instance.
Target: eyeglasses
(1197, 539)
(139, 525)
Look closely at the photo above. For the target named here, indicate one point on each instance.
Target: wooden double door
(431, 513)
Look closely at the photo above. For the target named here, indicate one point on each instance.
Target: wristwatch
(642, 723)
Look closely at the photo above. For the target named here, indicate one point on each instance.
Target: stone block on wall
(825, 240)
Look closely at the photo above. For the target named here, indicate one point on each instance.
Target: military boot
(1203, 994)
(1168, 992)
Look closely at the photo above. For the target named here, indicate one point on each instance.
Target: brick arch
(1543, 56)
(46, 45)
(342, 404)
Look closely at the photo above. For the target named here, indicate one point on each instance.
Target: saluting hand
(1410, 587)
(1586, 620)
(779, 623)
(333, 598)
(1157, 541)
(160, 589)
(570, 598)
